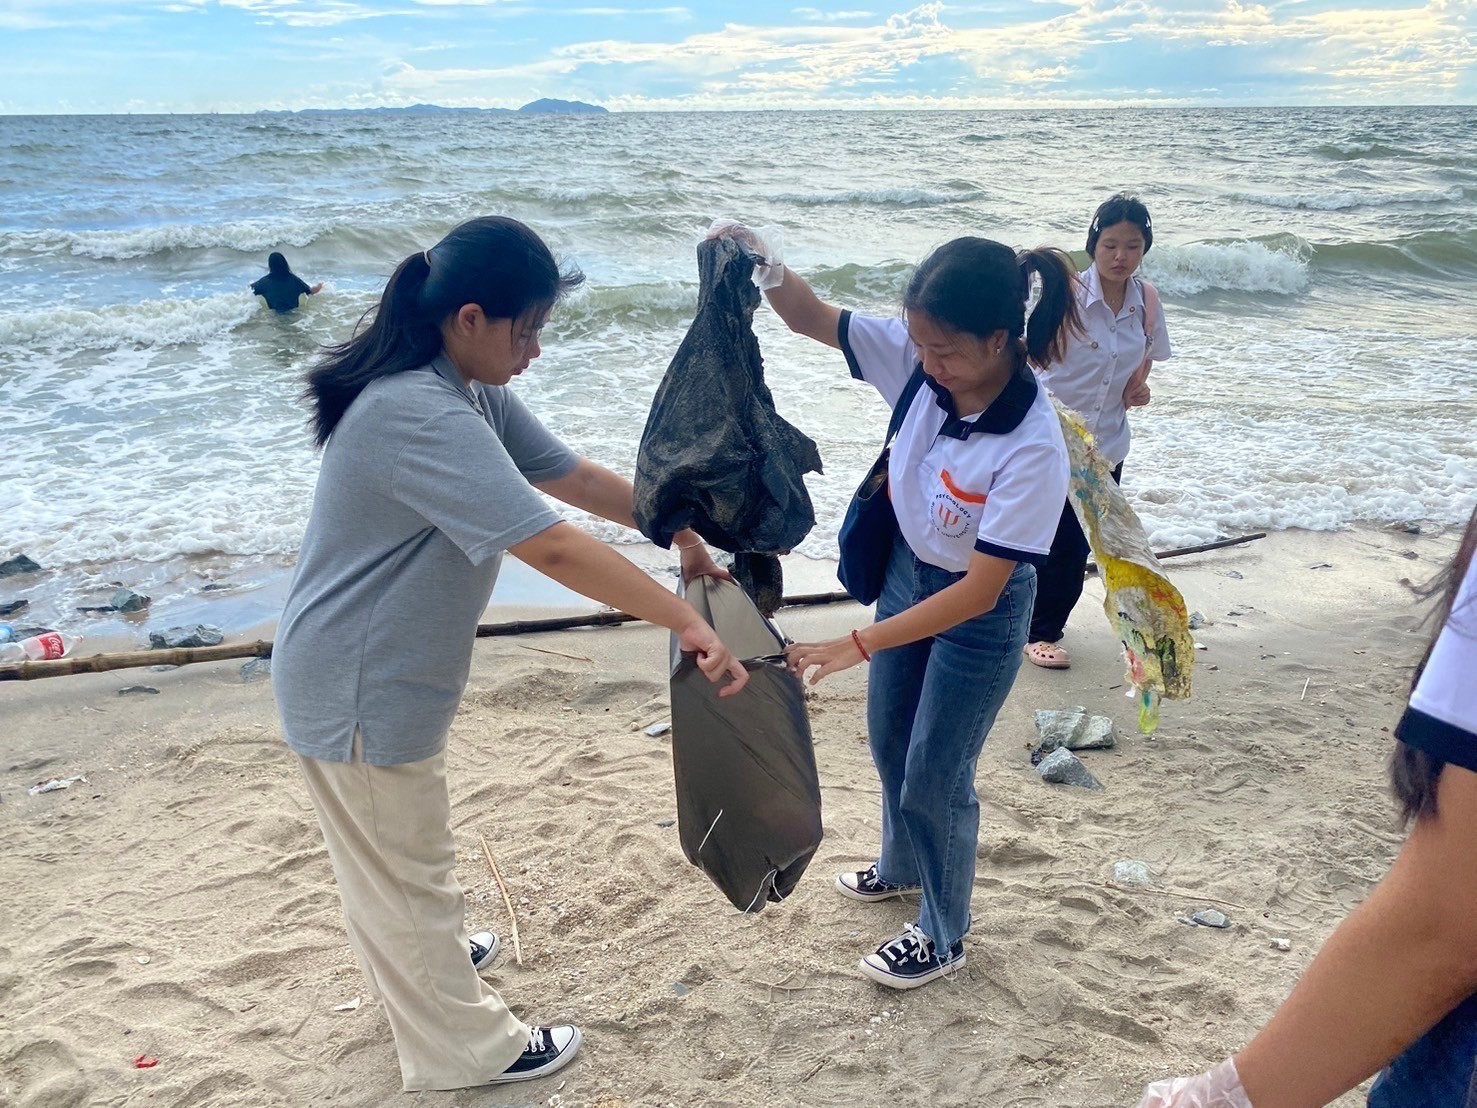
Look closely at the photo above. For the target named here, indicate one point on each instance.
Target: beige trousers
(388, 830)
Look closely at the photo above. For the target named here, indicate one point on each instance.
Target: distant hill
(564, 107)
(537, 107)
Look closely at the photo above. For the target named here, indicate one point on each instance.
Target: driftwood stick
(183, 656)
(100, 663)
(512, 919)
(1219, 544)
(556, 653)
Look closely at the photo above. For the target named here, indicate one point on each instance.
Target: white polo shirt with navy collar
(992, 482)
(1442, 716)
(1097, 364)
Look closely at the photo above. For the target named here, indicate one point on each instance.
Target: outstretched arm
(803, 311)
(593, 488)
(586, 565)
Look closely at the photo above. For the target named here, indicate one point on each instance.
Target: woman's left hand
(827, 658)
(697, 562)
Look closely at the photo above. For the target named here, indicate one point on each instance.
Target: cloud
(314, 13)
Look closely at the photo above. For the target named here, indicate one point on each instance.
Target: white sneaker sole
(883, 976)
(871, 898)
(493, 945)
(562, 1059)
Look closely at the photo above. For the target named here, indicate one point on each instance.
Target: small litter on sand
(347, 1006)
(57, 783)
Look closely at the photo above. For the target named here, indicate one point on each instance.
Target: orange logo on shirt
(954, 509)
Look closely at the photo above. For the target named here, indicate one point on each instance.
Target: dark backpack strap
(904, 402)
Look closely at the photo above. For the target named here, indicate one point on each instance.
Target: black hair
(277, 263)
(1414, 774)
(980, 286)
(495, 262)
(1122, 208)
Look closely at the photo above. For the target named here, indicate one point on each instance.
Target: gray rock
(138, 690)
(161, 669)
(1133, 873)
(1232, 574)
(199, 635)
(258, 669)
(1210, 918)
(1197, 621)
(10, 607)
(1071, 729)
(1062, 767)
(126, 600)
(1411, 554)
(17, 565)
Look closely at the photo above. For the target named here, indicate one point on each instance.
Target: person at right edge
(976, 474)
(1394, 989)
(1103, 371)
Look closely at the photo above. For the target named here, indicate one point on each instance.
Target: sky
(650, 55)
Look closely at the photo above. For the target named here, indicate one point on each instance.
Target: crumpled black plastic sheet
(715, 455)
(748, 795)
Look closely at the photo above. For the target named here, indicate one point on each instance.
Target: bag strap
(904, 402)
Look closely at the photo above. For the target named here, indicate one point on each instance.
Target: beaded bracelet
(858, 640)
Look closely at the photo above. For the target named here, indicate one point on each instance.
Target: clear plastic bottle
(39, 648)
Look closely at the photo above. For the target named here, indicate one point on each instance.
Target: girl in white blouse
(1102, 373)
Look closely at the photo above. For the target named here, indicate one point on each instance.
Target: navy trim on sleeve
(1010, 554)
(843, 331)
(1440, 739)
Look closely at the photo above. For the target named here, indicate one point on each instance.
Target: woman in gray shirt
(431, 470)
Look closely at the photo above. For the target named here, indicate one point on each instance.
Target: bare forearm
(946, 608)
(805, 313)
(591, 568)
(1391, 971)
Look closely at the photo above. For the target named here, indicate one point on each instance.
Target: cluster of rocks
(1059, 733)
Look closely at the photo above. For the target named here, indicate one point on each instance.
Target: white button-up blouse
(1091, 376)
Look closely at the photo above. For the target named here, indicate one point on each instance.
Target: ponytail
(979, 286)
(398, 338)
(494, 262)
(1054, 319)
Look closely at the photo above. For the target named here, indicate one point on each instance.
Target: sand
(179, 903)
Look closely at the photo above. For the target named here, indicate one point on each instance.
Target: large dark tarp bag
(715, 455)
(748, 797)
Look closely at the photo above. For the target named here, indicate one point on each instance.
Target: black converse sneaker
(549, 1050)
(866, 885)
(909, 960)
(484, 946)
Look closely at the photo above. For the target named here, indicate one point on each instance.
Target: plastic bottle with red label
(39, 648)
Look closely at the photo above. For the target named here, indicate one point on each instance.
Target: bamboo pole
(183, 656)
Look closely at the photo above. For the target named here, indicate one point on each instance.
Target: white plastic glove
(767, 244)
(1220, 1088)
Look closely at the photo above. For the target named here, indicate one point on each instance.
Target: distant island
(536, 107)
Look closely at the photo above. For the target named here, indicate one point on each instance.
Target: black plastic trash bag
(748, 797)
(715, 455)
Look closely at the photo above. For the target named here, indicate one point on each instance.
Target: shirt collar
(1092, 285)
(448, 373)
(1004, 415)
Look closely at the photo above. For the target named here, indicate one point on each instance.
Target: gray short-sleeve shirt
(424, 483)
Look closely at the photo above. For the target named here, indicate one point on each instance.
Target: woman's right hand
(713, 658)
(766, 244)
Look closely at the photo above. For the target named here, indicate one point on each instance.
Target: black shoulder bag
(870, 526)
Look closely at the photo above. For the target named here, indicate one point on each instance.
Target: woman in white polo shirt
(976, 475)
(1103, 371)
(432, 468)
(1394, 988)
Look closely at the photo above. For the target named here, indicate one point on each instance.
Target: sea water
(1316, 268)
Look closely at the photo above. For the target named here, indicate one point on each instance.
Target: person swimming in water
(281, 289)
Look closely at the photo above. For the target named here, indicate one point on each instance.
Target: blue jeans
(929, 706)
(1437, 1070)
